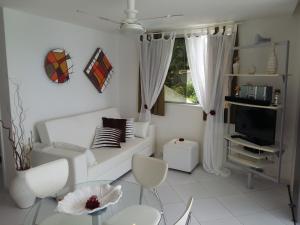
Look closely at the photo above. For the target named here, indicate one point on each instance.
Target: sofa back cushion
(77, 129)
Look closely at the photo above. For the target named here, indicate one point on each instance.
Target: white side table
(182, 156)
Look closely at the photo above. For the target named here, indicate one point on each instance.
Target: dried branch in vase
(21, 146)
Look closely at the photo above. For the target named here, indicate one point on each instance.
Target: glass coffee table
(45, 213)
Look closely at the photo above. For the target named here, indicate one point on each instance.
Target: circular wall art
(58, 65)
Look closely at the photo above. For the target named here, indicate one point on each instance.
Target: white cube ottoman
(182, 156)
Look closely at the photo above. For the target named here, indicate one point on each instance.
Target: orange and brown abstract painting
(99, 70)
(58, 65)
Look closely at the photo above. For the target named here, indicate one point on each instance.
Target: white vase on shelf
(272, 65)
(20, 192)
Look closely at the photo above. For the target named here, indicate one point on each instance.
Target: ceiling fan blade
(161, 17)
(109, 20)
(98, 17)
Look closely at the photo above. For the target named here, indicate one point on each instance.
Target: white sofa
(78, 130)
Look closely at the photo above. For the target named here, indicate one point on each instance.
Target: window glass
(178, 84)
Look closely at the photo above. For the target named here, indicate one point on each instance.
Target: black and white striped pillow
(106, 137)
(129, 128)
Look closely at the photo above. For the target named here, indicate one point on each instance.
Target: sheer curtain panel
(155, 58)
(209, 56)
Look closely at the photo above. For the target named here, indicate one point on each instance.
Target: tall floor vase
(20, 192)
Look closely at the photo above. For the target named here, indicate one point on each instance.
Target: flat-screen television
(257, 125)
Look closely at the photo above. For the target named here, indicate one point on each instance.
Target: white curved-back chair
(150, 173)
(47, 180)
(186, 217)
(145, 215)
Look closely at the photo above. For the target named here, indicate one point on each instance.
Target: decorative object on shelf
(58, 65)
(252, 69)
(260, 39)
(99, 70)
(237, 91)
(272, 65)
(276, 97)
(236, 66)
(21, 150)
(75, 203)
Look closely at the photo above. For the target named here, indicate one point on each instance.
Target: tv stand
(253, 140)
(253, 150)
(237, 136)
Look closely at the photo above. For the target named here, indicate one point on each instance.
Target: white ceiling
(196, 12)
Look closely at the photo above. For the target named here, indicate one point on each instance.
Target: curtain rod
(184, 30)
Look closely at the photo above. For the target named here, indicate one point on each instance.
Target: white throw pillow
(141, 129)
(90, 158)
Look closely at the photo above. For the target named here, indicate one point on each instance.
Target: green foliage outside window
(178, 80)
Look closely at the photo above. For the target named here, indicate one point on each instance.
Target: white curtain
(209, 58)
(155, 58)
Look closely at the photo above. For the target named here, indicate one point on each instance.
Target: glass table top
(48, 215)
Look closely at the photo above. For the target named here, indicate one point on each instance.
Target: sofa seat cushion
(108, 158)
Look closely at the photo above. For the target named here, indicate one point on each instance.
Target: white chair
(144, 215)
(149, 173)
(186, 217)
(47, 180)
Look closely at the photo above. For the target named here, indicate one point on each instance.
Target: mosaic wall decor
(58, 65)
(99, 70)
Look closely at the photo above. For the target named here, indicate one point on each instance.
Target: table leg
(96, 220)
(250, 180)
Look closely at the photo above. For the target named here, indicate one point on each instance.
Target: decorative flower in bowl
(90, 199)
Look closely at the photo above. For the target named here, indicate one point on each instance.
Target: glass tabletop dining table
(44, 211)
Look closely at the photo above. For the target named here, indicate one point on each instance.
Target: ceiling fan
(131, 23)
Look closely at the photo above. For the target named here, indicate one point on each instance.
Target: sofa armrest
(77, 162)
(151, 131)
(152, 136)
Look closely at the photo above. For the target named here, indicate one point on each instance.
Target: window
(178, 84)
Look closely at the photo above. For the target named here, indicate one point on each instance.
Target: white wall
(7, 167)
(180, 120)
(28, 39)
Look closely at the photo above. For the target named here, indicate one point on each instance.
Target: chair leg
(189, 219)
(161, 206)
(141, 195)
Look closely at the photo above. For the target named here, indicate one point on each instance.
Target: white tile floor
(218, 201)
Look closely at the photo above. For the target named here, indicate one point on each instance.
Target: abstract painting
(99, 70)
(58, 65)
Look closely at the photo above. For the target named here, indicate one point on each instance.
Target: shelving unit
(255, 162)
(242, 142)
(245, 161)
(254, 75)
(255, 106)
(258, 156)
